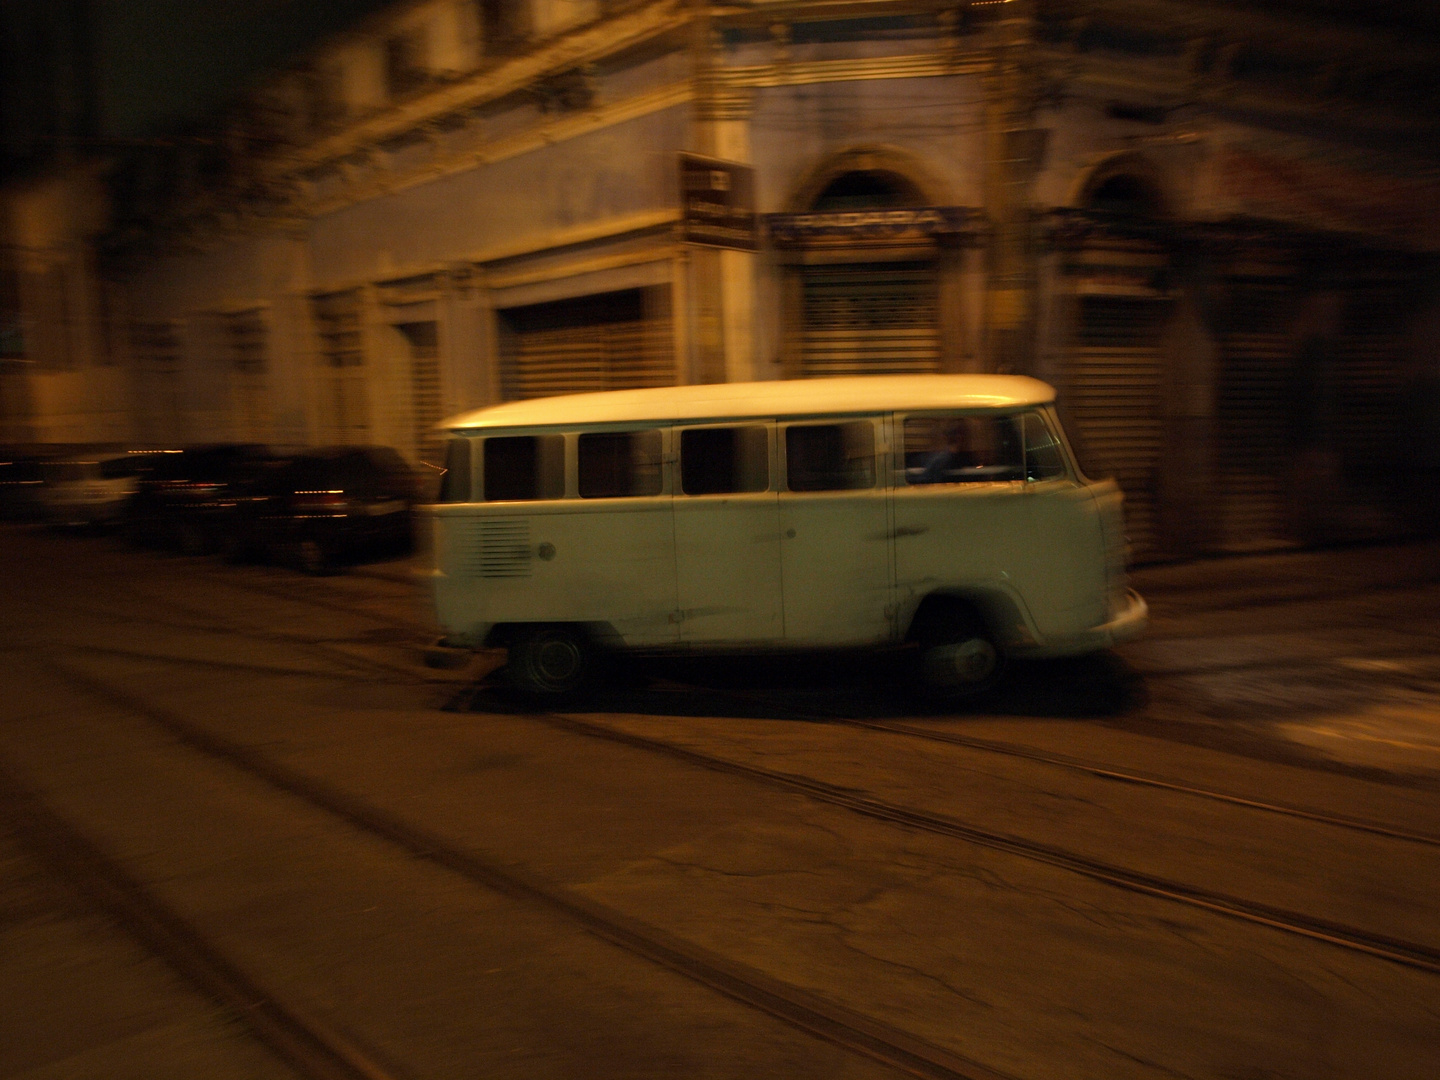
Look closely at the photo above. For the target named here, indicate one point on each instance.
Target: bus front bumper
(1126, 625)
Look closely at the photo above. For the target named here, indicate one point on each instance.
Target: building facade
(1212, 227)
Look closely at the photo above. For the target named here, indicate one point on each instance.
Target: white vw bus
(941, 512)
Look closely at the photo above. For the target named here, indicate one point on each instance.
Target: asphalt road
(233, 799)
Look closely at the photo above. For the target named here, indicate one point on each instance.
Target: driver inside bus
(948, 464)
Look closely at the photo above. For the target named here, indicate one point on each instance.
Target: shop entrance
(869, 319)
(1252, 451)
(423, 341)
(866, 294)
(1113, 386)
(607, 341)
(1114, 374)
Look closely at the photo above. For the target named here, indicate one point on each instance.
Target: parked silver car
(88, 489)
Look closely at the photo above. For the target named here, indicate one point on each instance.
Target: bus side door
(727, 535)
(836, 553)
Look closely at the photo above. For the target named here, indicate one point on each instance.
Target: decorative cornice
(1064, 71)
(730, 96)
(574, 236)
(915, 66)
(596, 265)
(927, 222)
(728, 93)
(557, 130)
(725, 102)
(574, 49)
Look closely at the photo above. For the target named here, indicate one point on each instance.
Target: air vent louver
(501, 549)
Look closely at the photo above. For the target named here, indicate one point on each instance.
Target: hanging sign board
(717, 203)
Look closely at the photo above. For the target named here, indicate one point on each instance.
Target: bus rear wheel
(550, 662)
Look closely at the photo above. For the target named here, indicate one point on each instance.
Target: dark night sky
(158, 64)
(161, 62)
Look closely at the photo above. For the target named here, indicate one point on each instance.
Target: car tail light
(193, 489)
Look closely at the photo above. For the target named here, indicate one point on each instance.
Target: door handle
(911, 530)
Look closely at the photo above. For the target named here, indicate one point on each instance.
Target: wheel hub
(557, 661)
(961, 663)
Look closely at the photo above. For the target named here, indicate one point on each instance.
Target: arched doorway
(1118, 274)
(863, 271)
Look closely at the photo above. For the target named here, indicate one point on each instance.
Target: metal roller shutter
(870, 319)
(1369, 354)
(423, 340)
(1113, 392)
(1252, 440)
(1368, 373)
(642, 353)
(608, 342)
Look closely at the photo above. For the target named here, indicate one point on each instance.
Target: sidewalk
(1287, 576)
(406, 570)
(1334, 651)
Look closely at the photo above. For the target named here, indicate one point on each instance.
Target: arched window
(867, 189)
(1125, 195)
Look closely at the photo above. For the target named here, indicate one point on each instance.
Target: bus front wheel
(958, 657)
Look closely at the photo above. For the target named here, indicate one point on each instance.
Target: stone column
(1190, 503)
(1013, 152)
(724, 324)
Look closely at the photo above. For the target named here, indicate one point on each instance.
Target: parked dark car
(325, 506)
(184, 495)
(21, 477)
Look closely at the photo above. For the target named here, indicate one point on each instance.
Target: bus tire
(959, 658)
(549, 662)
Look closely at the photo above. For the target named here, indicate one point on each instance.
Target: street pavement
(976, 879)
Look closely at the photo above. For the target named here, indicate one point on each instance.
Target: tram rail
(824, 1019)
(1385, 947)
(327, 648)
(1380, 946)
(309, 1045)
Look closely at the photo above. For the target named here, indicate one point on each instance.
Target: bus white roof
(841, 396)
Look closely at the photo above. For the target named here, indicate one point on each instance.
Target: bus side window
(523, 468)
(614, 465)
(723, 461)
(455, 482)
(1043, 459)
(830, 457)
(961, 449)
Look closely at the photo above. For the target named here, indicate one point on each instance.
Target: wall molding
(602, 38)
(559, 130)
(516, 279)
